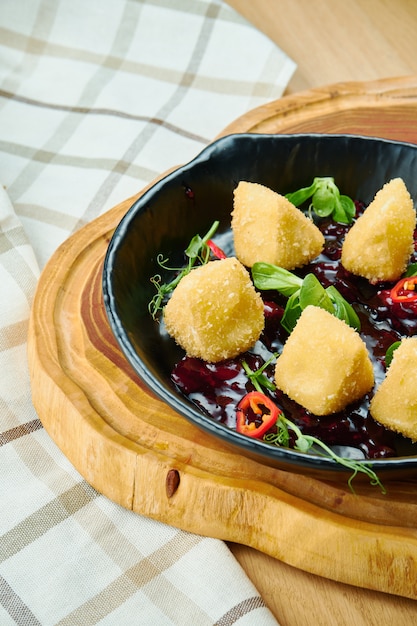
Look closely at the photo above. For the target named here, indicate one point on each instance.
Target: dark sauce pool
(217, 388)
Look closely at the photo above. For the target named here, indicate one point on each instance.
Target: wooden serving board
(141, 454)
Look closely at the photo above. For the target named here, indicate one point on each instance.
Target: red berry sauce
(217, 388)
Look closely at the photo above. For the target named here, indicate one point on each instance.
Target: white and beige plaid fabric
(97, 98)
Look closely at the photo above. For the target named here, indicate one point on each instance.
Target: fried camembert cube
(394, 404)
(214, 312)
(267, 227)
(324, 365)
(379, 244)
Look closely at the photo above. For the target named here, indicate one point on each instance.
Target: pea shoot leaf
(326, 200)
(390, 352)
(270, 276)
(302, 195)
(343, 310)
(411, 270)
(302, 293)
(292, 312)
(196, 252)
(313, 292)
(305, 443)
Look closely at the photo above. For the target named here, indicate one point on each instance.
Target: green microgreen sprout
(257, 377)
(305, 443)
(390, 353)
(411, 270)
(197, 252)
(302, 292)
(326, 200)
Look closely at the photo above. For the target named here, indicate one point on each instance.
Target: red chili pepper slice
(218, 252)
(405, 290)
(256, 408)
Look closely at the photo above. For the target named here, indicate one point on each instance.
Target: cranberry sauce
(217, 388)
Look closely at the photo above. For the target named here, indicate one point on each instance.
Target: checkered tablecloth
(97, 98)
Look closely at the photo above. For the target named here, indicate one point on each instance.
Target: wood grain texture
(381, 108)
(359, 40)
(141, 454)
(300, 599)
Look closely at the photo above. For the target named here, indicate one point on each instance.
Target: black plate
(186, 202)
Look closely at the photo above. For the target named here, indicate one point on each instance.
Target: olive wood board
(138, 452)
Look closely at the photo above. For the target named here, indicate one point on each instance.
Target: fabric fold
(96, 100)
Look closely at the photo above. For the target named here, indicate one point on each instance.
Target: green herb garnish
(305, 443)
(326, 200)
(197, 252)
(411, 270)
(257, 377)
(390, 353)
(301, 293)
(268, 276)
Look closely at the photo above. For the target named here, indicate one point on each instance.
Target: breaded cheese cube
(379, 244)
(395, 401)
(267, 227)
(214, 312)
(324, 365)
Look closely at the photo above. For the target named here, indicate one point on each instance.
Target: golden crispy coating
(214, 312)
(379, 244)
(395, 401)
(267, 227)
(324, 365)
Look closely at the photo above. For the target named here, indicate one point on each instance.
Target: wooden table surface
(339, 40)
(348, 43)
(332, 41)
